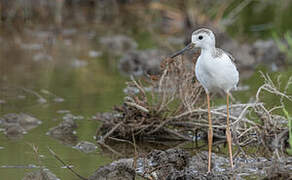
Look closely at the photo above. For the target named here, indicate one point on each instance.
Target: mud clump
(64, 131)
(118, 170)
(15, 125)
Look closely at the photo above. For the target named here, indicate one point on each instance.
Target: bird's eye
(200, 37)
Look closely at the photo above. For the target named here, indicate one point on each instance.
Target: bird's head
(202, 38)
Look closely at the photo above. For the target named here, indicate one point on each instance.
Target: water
(72, 73)
(66, 84)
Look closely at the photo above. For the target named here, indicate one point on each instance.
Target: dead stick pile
(171, 107)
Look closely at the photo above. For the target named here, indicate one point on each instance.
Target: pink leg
(228, 133)
(210, 135)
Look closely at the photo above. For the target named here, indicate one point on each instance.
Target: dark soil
(177, 164)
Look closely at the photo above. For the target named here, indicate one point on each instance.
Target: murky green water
(88, 85)
(96, 87)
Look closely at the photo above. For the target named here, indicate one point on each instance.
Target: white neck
(208, 49)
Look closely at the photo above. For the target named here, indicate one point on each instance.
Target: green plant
(289, 118)
(285, 46)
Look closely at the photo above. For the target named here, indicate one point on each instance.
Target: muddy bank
(173, 164)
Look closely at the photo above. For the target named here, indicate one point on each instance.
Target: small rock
(86, 147)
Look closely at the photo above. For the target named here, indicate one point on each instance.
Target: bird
(216, 71)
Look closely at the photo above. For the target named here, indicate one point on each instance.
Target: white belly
(216, 73)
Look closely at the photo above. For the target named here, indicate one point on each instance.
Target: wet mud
(174, 164)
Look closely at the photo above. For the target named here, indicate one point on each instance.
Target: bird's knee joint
(228, 132)
(210, 131)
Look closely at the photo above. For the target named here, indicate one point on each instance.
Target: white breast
(216, 73)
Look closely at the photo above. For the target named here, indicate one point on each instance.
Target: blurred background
(63, 60)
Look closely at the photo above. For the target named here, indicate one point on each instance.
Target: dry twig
(67, 166)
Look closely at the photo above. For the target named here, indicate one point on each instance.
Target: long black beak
(189, 46)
